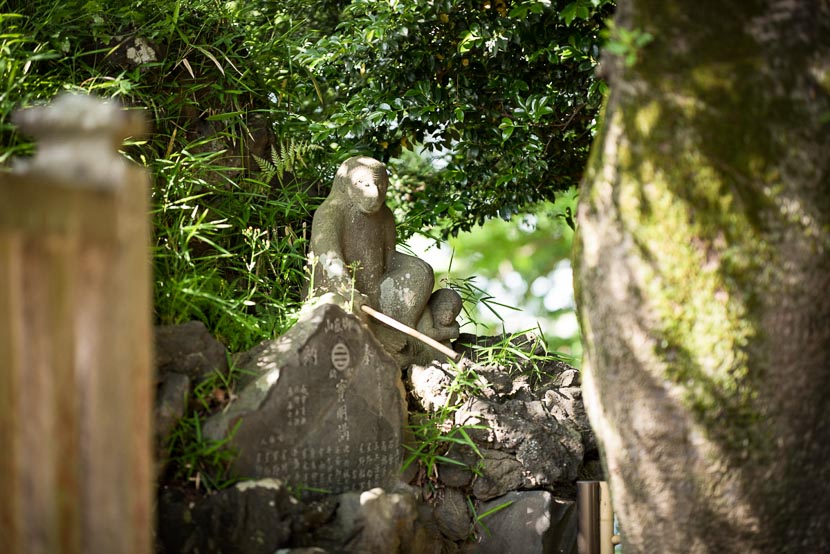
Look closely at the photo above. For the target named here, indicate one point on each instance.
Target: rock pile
(510, 488)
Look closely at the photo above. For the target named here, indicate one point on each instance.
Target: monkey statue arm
(390, 238)
(329, 269)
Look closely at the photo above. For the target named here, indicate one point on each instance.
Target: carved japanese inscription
(327, 414)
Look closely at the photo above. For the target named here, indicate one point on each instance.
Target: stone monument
(353, 256)
(324, 411)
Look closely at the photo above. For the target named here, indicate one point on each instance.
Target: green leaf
(643, 39)
(469, 441)
(224, 116)
(617, 48)
(507, 128)
(468, 41)
(447, 460)
(519, 11)
(568, 13)
(492, 511)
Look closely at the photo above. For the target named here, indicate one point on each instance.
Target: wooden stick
(406, 329)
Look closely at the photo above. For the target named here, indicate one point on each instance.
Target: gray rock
(381, 521)
(251, 517)
(428, 538)
(568, 378)
(326, 411)
(188, 349)
(497, 378)
(458, 476)
(429, 386)
(565, 405)
(171, 402)
(386, 520)
(500, 473)
(454, 476)
(261, 517)
(534, 522)
(550, 451)
(452, 515)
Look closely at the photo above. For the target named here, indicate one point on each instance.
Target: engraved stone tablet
(326, 410)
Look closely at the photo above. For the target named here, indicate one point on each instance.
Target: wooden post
(607, 538)
(75, 338)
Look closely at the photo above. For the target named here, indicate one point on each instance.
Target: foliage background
(254, 104)
(520, 272)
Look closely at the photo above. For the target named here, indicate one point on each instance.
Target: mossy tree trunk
(703, 278)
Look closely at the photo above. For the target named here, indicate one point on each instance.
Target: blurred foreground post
(75, 350)
(595, 533)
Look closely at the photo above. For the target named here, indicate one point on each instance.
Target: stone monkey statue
(353, 252)
(438, 320)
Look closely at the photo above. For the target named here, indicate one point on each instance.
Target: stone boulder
(548, 451)
(500, 472)
(251, 517)
(535, 432)
(189, 349)
(531, 522)
(381, 521)
(321, 410)
(452, 515)
(324, 412)
(262, 517)
(170, 406)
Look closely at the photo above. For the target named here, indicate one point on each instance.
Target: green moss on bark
(697, 188)
(704, 278)
(699, 239)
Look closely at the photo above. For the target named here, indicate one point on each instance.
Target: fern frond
(284, 160)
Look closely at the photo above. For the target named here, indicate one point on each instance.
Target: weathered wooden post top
(78, 139)
(75, 323)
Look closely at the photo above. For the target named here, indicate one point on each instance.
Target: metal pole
(588, 513)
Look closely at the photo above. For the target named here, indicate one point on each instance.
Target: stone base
(534, 523)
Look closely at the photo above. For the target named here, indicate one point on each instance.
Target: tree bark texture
(703, 278)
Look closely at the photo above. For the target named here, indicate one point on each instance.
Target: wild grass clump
(191, 456)
(233, 178)
(436, 433)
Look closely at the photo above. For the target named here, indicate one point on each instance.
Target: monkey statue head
(445, 305)
(364, 181)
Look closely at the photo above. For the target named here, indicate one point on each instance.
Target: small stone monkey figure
(438, 320)
(354, 256)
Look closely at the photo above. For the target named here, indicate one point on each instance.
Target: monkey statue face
(445, 304)
(367, 187)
